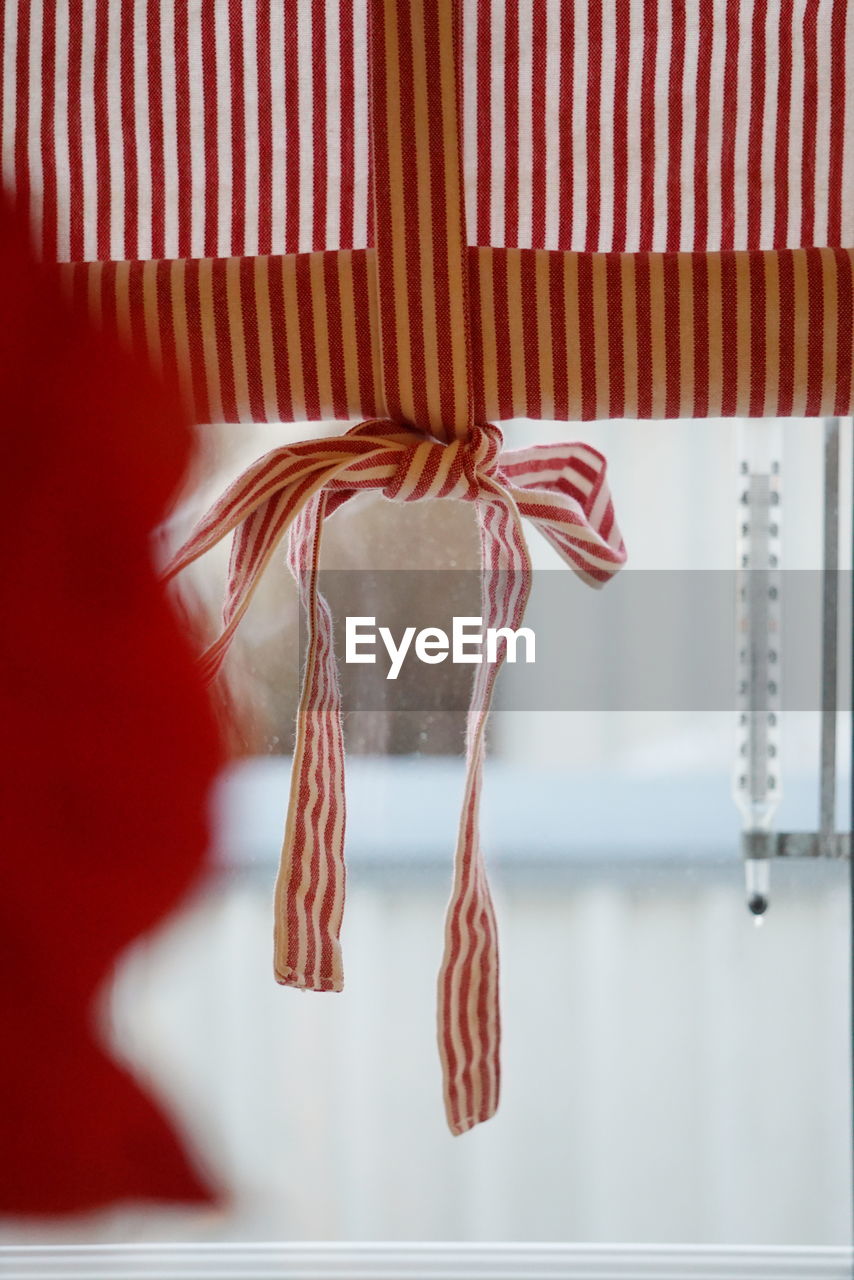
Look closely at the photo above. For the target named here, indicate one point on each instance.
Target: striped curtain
(687, 165)
(436, 215)
(137, 129)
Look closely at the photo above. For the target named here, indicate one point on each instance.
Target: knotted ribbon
(561, 488)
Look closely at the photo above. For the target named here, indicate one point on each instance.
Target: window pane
(672, 1072)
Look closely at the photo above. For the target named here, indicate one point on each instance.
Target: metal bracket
(796, 844)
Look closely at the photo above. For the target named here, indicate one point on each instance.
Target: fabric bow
(562, 488)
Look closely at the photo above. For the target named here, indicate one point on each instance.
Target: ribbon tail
(253, 545)
(282, 469)
(469, 1017)
(286, 484)
(309, 896)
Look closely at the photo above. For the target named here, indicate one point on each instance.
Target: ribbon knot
(427, 468)
(562, 489)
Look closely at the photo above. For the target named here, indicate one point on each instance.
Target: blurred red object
(108, 745)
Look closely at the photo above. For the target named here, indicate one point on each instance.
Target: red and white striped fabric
(563, 490)
(659, 125)
(675, 335)
(218, 128)
(198, 133)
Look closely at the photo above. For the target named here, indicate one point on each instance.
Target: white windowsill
(652, 822)
(423, 1262)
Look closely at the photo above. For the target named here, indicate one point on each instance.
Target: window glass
(671, 1072)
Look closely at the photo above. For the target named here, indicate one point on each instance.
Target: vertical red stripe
(558, 319)
(224, 341)
(313, 787)
(728, 126)
(386, 233)
(844, 331)
(616, 363)
(757, 335)
(103, 176)
(565, 127)
(502, 337)
(815, 333)
(673, 357)
(308, 339)
(476, 333)
(809, 135)
(478, 921)
(209, 115)
(250, 337)
(837, 121)
(22, 108)
(373, 88)
(674, 128)
(318, 123)
(348, 134)
(380, 199)
(781, 140)
(75, 129)
(131, 173)
(594, 127)
(531, 337)
(290, 93)
(48, 147)
(787, 334)
(700, 281)
(511, 124)
(623, 35)
(159, 195)
(265, 128)
(701, 139)
(446, 241)
(334, 334)
(182, 125)
(278, 336)
(647, 125)
(539, 108)
(644, 334)
(166, 325)
(462, 932)
(324, 846)
(729, 336)
(368, 393)
(238, 128)
(452, 1071)
(484, 124)
(194, 338)
(753, 193)
(586, 327)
